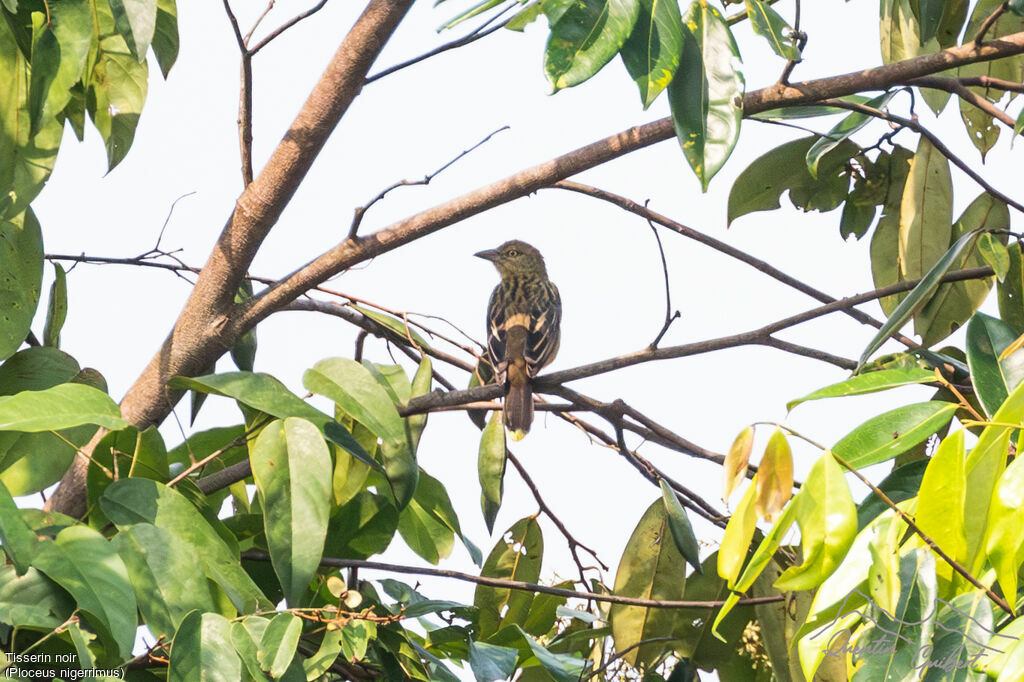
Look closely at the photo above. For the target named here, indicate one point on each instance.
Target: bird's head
(515, 258)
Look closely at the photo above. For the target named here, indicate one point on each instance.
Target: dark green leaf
(883, 437)
(585, 38)
(340, 436)
(892, 171)
(760, 186)
(35, 369)
(32, 600)
(490, 663)
(428, 523)
(995, 253)
(900, 485)
(243, 353)
(963, 629)
(930, 12)
(705, 95)
(651, 54)
(561, 667)
(993, 379)
(18, 541)
(292, 470)
(45, 64)
(279, 642)
(256, 390)
(679, 525)
(1010, 291)
(165, 35)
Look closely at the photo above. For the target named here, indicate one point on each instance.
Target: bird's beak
(489, 254)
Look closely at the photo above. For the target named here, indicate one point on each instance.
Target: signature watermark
(926, 643)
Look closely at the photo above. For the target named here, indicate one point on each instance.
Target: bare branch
(989, 22)
(285, 26)
(956, 87)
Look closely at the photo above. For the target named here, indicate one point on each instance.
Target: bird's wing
(545, 322)
(497, 336)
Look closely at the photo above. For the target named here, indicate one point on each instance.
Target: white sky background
(604, 261)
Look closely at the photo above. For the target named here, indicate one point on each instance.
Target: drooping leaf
(361, 527)
(136, 22)
(21, 261)
(243, 353)
(995, 253)
(679, 525)
(256, 390)
(491, 468)
(165, 35)
(738, 534)
(1004, 536)
(651, 54)
(60, 407)
(883, 437)
(704, 95)
(278, 644)
(1010, 291)
(292, 470)
(57, 311)
(585, 38)
(16, 537)
(761, 184)
(767, 23)
(516, 556)
(428, 524)
(963, 629)
(885, 251)
(651, 568)
(774, 476)
(734, 469)
(842, 130)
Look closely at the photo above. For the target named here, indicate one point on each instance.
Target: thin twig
(286, 25)
(357, 218)
(336, 562)
(989, 22)
(256, 24)
(669, 315)
(954, 564)
(620, 654)
(936, 142)
(954, 86)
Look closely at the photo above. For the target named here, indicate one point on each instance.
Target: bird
(524, 314)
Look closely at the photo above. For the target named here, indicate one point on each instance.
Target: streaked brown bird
(523, 317)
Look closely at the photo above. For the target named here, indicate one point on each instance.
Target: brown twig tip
(989, 22)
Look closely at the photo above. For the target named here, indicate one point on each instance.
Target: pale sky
(604, 261)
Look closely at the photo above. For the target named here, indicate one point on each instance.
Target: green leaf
(21, 261)
(940, 501)
(26, 155)
(993, 379)
(243, 353)
(767, 23)
(926, 213)
(354, 389)
(1010, 292)
(35, 369)
(842, 130)
(828, 525)
(131, 501)
(931, 12)
(165, 35)
(919, 296)
(136, 22)
(478, 8)
(679, 525)
(705, 95)
(58, 309)
(902, 484)
(738, 534)
(362, 527)
(82, 562)
(292, 470)
(340, 436)
(166, 583)
(202, 650)
(585, 38)
(963, 630)
(761, 184)
(45, 64)
(893, 170)
(394, 328)
(256, 390)
(320, 662)
(883, 437)
(491, 468)
(808, 110)
(1004, 535)
(117, 88)
(279, 642)
(18, 541)
(869, 382)
(651, 54)
(953, 303)
(516, 556)
(894, 641)
(651, 567)
(900, 33)
(995, 253)
(60, 407)
(32, 600)
(428, 524)
(490, 662)
(561, 667)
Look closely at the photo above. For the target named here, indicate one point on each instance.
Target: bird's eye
(512, 252)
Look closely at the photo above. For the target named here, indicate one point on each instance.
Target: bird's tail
(518, 402)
